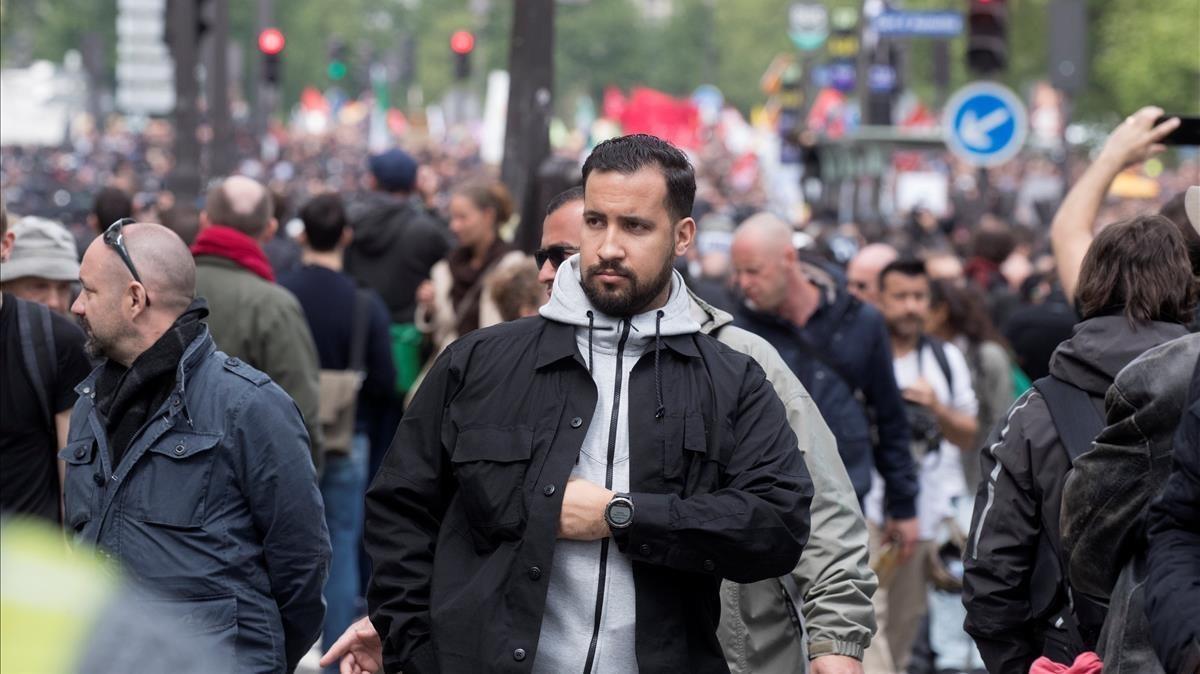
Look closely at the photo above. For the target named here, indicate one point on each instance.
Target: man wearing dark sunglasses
(188, 466)
(560, 235)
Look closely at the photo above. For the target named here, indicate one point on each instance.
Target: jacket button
(548, 490)
(98, 479)
(645, 549)
(232, 362)
(576, 422)
(79, 452)
(179, 450)
(535, 573)
(519, 654)
(708, 565)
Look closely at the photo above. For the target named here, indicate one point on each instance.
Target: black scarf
(126, 397)
(468, 281)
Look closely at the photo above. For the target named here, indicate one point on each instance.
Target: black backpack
(1077, 422)
(39, 354)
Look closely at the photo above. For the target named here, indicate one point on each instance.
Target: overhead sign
(145, 69)
(808, 25)
(918, 24)
(843, 46)
(985, 124)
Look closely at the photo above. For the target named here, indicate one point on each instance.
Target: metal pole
(264, 96)
(527, 131)
(184, 180)
(221, 146)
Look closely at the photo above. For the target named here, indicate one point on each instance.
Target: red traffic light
(271, 41)
(462, 42)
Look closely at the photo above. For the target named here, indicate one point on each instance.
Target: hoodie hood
(1100, 347)
(709, 317)
(569, 304)
(376, 218)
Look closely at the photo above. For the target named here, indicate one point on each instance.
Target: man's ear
(347, 237)
(269, 232)
(204, 223)
(685, 234)
(93, 222)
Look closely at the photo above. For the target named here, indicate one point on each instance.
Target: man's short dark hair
(905, 267)
(110, 205)
(220, 211)
(1138, 267)
(629, 154)
(563, 198)
(324, 220)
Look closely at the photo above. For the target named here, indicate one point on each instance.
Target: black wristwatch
(619, 512)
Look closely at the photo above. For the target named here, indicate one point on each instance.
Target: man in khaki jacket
(829, 592)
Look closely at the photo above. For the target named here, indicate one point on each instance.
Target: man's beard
(94, 346)
(628, 301)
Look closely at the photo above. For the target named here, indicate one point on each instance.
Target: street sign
(808, 25)
(881, 78)
(145, 70)
(918, 24)
(985, 124)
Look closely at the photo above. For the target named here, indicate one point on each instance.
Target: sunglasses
(555, 254)
(115, 240)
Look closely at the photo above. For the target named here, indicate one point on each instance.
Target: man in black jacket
(567, 491)
(1134, 285)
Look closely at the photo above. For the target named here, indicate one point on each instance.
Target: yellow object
(50, 598)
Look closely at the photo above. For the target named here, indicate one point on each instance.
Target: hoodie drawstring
(658, 413)
(591, 327)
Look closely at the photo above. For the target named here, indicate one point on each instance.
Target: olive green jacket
(833, 583)
(262, 323)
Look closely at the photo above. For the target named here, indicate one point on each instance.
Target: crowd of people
(334, 401)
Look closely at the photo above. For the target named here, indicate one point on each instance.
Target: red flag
(653, 112)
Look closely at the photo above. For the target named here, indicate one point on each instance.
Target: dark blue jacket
(855, 357)
(214, 506)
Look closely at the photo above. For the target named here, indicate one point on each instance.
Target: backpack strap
(38, 353)
(358, 333)
(938, 347)
(1074, 415)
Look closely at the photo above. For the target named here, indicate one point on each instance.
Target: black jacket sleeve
(893, 451)
(405, 506)
(755, 526)
(1173, 582)
(1002, 550)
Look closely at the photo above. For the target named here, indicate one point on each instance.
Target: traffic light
(462, 42)
(271, 43)
(337, 61)
(987, 36)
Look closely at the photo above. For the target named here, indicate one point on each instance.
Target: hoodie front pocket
(490, 465)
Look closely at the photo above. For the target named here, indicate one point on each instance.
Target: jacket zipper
(608, 478)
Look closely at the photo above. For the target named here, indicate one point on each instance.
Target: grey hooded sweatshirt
(591, 577)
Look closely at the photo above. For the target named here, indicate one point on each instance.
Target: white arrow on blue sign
(985, 124)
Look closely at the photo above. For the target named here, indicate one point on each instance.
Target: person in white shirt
(935, 383)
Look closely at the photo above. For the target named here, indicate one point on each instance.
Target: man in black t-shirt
(29, 474)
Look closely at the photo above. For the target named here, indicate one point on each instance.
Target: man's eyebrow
(635, 220)
(589, 213)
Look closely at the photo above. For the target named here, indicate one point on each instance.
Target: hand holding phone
(1187, 133)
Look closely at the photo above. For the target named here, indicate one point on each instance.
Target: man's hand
(1137, 138)
(835, 664)
(359, 649)
(905, 534)
(425, 295)
(582, 516)
(921, 393)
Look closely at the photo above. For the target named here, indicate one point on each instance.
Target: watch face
(620, 513)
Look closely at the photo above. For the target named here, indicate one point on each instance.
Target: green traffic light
(337, 70)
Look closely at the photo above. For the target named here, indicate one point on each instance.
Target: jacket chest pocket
(173, 480)
(692, 464)
(80, 490)
(490, 465)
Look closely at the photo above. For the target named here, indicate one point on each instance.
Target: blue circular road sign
(985, 124)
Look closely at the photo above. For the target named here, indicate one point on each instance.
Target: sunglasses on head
(115, 240)
(555, 254)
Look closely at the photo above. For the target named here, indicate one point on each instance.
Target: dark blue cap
(394, 170)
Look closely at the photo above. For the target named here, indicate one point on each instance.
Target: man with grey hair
(187, 465)
(252, 317)
(862, 272)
